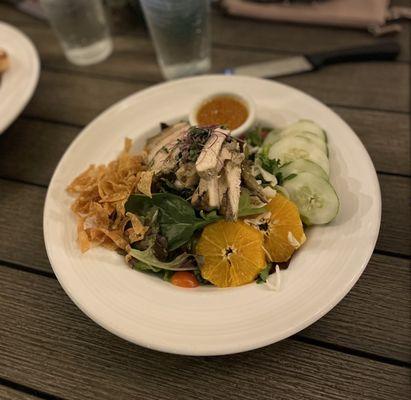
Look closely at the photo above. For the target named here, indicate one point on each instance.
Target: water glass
(82, 28)
(181, 34)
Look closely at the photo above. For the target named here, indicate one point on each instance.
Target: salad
(200, 206)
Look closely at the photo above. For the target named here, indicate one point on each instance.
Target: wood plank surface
(30, 150)
(134, 58)
(262, 35)
(374, 316)
(11, 15)
(76, 99)
(7, 393)
(21, 225)
(386, 136)
(381, 86)
(395, 231)
(359, 350)
(294, 38)
(59, 351)
(25, 246)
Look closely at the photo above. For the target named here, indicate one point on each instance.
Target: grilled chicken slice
(209, 164)
(207, 194)
(165, 160)
(232, 172)
(200, 196)
(251, 183)
(163, 149)
(222, 189)
(219, 166)
(207, 161)
(165, 138)
(187, 175)
(213, 192)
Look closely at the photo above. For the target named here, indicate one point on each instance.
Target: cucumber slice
(321, 144)
(276, 136)
(315, 198)
(293, 148)
(301, 165)
(306, 125)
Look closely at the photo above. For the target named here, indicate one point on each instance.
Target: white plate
(209, 321)
(17, 84)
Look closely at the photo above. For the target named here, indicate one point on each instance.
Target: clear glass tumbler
(181, 33)
(82, 28)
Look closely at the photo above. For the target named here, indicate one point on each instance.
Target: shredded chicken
(200, 196)
(207, 162)
(165, 137)
(219, 166)
(163, 148)
(232, 171)
(187, 175)
(250, 182)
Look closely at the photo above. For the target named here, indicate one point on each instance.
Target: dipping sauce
(223, 110)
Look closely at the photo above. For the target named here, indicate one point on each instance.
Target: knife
(387, 50)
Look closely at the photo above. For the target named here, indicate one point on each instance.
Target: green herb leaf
(272, 166)
(212, 216)
(279, 176)
(177, 218)
(167, 275)
(245, 207)
(264, 274)
(149, 262)
(141, 266)
(193, 143)
(254, 137)
(269, 165)
(288, 177)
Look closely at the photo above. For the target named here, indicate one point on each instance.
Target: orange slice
(233, 253)
(285, 232)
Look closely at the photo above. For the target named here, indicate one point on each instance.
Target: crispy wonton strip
(101, 193)
(138, 229)
(144, 184)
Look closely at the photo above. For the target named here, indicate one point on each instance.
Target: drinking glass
(82, 28)
(181, 34)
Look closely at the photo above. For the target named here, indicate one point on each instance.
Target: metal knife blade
(272, 69)
(386, 50)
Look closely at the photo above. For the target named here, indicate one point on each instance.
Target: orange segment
(285, 232)
(233, 253)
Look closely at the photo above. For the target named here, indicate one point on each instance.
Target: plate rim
(32, 82)
(328, 306)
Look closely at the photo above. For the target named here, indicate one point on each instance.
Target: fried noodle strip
(101, 193)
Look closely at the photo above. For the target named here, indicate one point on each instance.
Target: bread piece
(4, 61)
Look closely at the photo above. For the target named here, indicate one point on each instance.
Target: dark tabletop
(50, 350)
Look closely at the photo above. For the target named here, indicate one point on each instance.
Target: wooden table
(50, 350)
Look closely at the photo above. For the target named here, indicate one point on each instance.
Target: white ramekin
(246, 100)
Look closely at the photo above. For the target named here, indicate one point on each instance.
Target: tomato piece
(185, 279)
